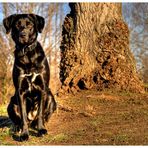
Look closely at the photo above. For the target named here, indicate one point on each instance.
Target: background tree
(138, 25)
(95, 49)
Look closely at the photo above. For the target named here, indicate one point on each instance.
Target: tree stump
(95, 50)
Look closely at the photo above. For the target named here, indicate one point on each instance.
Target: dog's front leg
(41, 129)
(22, 102)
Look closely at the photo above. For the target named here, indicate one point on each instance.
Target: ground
(90, 118)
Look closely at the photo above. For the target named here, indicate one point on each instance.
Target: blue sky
(66, 8)
(1, 15)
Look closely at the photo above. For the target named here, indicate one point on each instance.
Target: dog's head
(24, 27)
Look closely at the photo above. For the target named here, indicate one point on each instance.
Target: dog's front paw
(24, 137)
(42, 132)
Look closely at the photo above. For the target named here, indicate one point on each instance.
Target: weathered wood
(95, 49)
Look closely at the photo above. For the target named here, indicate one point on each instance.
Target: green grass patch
(3, 110)
(120, 139)
(60, 138)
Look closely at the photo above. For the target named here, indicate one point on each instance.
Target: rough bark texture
(95, 50)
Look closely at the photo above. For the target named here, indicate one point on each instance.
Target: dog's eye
(28, 23)
(18, 24)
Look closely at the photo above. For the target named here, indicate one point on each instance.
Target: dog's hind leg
(14, 113)
(50, 106)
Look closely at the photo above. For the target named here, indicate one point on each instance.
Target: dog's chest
(30, 76)
(29, 62)
(29, 58)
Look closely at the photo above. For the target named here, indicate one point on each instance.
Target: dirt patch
(92, 118)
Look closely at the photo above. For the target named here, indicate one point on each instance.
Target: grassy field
(89, 118)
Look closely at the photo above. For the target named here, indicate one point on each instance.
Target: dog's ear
(8, 21)
(39, 22)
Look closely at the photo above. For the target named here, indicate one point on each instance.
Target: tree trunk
(95, 50)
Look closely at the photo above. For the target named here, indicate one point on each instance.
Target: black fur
(33, 102)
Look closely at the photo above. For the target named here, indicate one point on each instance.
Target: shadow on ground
(5, 122)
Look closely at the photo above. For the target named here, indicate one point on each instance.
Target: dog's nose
(22, 27)
(22, 34)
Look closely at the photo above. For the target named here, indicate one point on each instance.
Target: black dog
(33, 102)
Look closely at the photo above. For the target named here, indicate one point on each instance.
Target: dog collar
(24, 50)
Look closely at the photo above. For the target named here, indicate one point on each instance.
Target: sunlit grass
(3, 110)
(60, 138)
